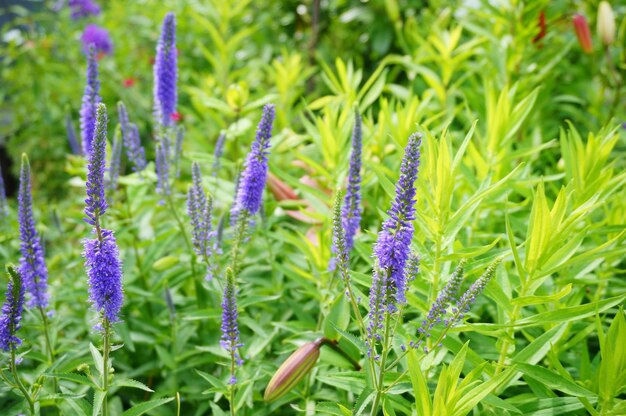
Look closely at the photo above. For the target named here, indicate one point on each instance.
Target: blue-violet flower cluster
(12, 311)
(254, 175)
(98, 38)
(200, 210)
(83, 8)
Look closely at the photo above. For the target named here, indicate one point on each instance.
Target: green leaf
(144, 407)
(553, 380)
(421, 392)
(97, 358)
(339, 317)
(127, 382)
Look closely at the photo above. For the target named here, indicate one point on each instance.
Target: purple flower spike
(104, 270)
(165, 72)
(230, 329)
(12, 311)
(254, 175)
(130, 137)
(32, 264)
(469, 297)
(351, 210)
(394, 240)
(178, 149)
(98, 38)
(447, 295)
(162, 170)
(83, 8)
(96, 203)
(91, 99)
(4, 207)
(114, 164)
(200, 210)
(218, 152)
(71, 135)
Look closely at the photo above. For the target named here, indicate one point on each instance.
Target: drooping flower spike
(91, 99)
(165, 72)
(12, 311)
(254, 175)
(115, 163)
(162, 170)
(32, 263)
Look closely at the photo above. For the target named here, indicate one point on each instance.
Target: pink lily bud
(299, 363)
(582, 33)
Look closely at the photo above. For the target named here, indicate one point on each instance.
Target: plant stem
(200, 295)
(381, 372)
(106, 347)
(49, 349)
(232, 379)
(31, 402)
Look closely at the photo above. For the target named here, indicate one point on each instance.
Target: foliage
(522, 159)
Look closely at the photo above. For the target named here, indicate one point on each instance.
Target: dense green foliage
(523, 159)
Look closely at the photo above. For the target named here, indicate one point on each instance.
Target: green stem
(381, 372)
(49, 349)
(232, 384)
(200, 295)
(106, 347)
(20, 385)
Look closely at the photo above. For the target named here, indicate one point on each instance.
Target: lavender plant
(102, 260)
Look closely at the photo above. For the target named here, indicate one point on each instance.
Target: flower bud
(299, 363)
(582, 33)
(606, 23)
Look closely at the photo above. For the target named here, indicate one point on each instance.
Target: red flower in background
(541, 24)
(176, 117)
(129, 82)
(582, 33)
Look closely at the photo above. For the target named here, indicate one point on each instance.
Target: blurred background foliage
(523, 157)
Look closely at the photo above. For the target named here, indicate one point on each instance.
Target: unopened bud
(582, 33)
(299, 363)
(606, 23)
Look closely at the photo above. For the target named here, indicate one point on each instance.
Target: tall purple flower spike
(91, 99)
(32, 263)
(165, 72)
(102, 259)
(254, 175)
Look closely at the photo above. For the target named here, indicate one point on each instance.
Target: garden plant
(319, 207)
